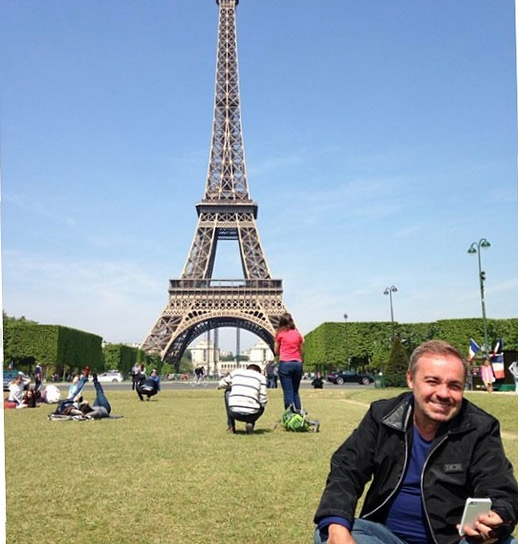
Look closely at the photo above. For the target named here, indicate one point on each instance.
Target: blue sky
(380, 141)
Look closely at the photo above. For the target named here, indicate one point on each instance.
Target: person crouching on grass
(245, 396)
(148, 387)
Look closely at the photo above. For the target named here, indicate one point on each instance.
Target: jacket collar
(400, 418)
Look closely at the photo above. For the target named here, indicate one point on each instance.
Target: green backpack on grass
(297, 421)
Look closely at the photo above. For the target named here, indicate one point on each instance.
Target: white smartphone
(472, 509)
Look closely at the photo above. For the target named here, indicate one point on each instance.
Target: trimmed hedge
(65, 351)
(122, 357)
(369, 343)
(58, 349)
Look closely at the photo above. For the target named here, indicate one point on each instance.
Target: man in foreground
(245, 396)
(426, 451)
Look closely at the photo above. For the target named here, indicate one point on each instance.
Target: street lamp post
(388, 291)
(475, 247)
(346, 342)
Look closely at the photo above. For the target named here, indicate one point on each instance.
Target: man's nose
(442, 390)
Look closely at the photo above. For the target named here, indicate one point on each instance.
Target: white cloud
(37, 207)
(112, 299)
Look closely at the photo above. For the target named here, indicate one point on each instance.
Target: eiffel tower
(197, 302)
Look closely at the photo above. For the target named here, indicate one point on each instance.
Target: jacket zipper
(430, 453)
(400, 479)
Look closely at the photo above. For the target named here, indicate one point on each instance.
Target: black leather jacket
(466, 459)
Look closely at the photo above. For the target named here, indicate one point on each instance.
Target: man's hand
(338, 534)
(484, 529)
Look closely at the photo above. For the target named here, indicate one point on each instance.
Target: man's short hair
(435, 347)
(257, 368)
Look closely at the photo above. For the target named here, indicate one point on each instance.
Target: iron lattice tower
(197, 302)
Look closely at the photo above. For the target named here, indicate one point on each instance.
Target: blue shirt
(406, 517)
(156, 379)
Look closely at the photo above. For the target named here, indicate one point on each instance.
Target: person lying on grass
(100, 409)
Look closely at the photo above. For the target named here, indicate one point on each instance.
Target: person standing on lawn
(135, 373)
(289, 347)
(487, 375)
(513, 369)
(38, 377)
(426, 452)
(269, 371)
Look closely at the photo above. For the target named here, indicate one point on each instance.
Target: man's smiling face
(438, 385)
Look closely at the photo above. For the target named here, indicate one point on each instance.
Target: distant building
(259, 354)
(204, 353)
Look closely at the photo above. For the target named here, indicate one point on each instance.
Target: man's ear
(409, 379)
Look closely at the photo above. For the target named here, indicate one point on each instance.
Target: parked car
(111, 376)
(340, 377)
(9, 376)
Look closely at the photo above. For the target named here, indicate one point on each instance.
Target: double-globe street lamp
(346, 342)
(388, 291)
(475, 247)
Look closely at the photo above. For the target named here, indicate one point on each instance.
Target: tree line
(360, 345)
(368, 345)
(65, 351)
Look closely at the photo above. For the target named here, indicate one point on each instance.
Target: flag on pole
(497, 360)
(474, 348)
(498, 346)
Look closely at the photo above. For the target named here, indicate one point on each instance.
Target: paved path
(211, 384)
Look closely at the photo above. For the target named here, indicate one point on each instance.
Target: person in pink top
(289, 347)
(487, 375)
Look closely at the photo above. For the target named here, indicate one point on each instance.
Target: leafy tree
(9, 320)
(185, 363)
(122, 357)
(395, 370)
(154, 361)
(398, 358)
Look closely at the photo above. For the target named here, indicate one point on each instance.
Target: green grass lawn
(168, 472)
